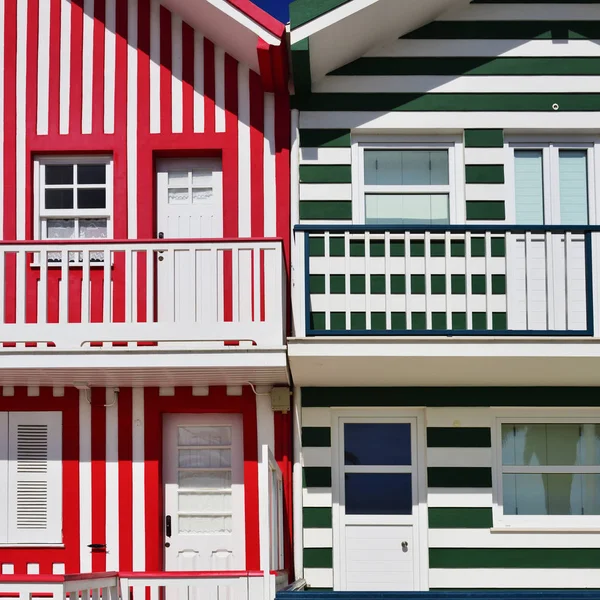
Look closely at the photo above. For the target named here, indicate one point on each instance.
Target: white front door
(203, 471)
(377, 504)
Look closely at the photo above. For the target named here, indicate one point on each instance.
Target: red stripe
(257, 162)
(166, 53)
(209, 86)
(10, 120)
(283, 456)
(98, 66)
(152, 480)
(98, 444)
(188, 78)
(76, 84)
(54, 88)
(125, 480)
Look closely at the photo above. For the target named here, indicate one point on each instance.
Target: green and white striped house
(445, 291)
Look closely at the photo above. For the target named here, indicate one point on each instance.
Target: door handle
(404, 546)
(168, 525)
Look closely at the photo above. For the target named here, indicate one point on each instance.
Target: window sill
(542, 529)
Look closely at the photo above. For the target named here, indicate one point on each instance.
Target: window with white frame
(74, 197)
(30, 478)
(552, 183)
(548, 472)
(406, 185)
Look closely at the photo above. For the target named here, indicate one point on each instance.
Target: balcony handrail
(140, 242)
(447, 228)
(189, 574)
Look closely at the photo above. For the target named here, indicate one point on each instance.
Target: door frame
(421, 556)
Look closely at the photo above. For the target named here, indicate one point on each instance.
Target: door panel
(204, 492)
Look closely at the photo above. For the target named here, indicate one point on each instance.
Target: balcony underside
(442, 361)
(144, 366)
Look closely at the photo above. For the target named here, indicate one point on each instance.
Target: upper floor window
(74, 198)
(406, 186)
(551, 184)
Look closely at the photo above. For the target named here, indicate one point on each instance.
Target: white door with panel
(189, 206)
(203, 471)
(377, 522)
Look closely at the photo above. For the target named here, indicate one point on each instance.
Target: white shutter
(3, 477)
(35, 477)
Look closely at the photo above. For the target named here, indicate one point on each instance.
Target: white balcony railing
(75, 294)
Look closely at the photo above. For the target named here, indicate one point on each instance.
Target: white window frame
(456, 178)
(537, 522)
(550, 148)
(42, 214)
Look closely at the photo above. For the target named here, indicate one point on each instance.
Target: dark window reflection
(57, 199)
(378, 494)
(377, 443)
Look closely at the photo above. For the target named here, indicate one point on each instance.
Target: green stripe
(325, 138)
(325, 174)
(490, 210)
(317, 476)
(316, 437)
(471, 65)
(316, 517)
(459, 477)
(506, 30)
(301, 66)
(484, 138)
(460, 518)
(484, 173)
(459, 437)
(318, 558)
(325, 209)
(514, 558)
(568, 102)
(303, 11)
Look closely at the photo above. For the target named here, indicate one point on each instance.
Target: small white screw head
(555, 106)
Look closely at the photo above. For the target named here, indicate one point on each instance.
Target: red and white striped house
(144, 218)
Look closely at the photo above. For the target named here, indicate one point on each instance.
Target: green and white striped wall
(464, 551)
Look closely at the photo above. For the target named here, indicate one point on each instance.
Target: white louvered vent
(32, 505)
(32, 448)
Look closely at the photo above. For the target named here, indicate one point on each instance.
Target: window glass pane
(59, 174)
(93, 228)
(179, 178)
(202, 178)
(57, 199)
(406, 167)
(179, 196)
(205, 502)
(60, 229)
(377, 444)
(209, 480)
(90, 174)
(201, 195)
(209, 524)
(529, 187)
(551, 444)
(91, 198)
(551, 494)
(204, 435)
(406, 209)
(573, 187)
(378, 493)
(208, 458)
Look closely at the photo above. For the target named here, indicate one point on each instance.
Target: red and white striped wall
(112, 465)
(130, 78)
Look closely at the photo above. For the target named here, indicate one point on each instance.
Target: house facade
(445, 164)
(143, 264)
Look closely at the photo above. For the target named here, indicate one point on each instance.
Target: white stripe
(1, 114)
(198, 82)
(270, 187)
(85, 481)
(132, 75)
(459, 497)
(155, 67)
(326, 156)
(513, 578)
(112, 481)
(244, 196)
(43, 68)
(317, 457)
(318, 538)
(456, 48)
(138, 495)
(319, 578)
(65, 65)
(325, 191)
(88, 66)
(459, 457)
(458, 417)
(523, 12)
(423, 84)
(109, 66)
(484, 538)
(176, 74)
(484, 156)
(219, 89)
(317, 497)
(485, 191)
(316, 417)
(21, 115)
